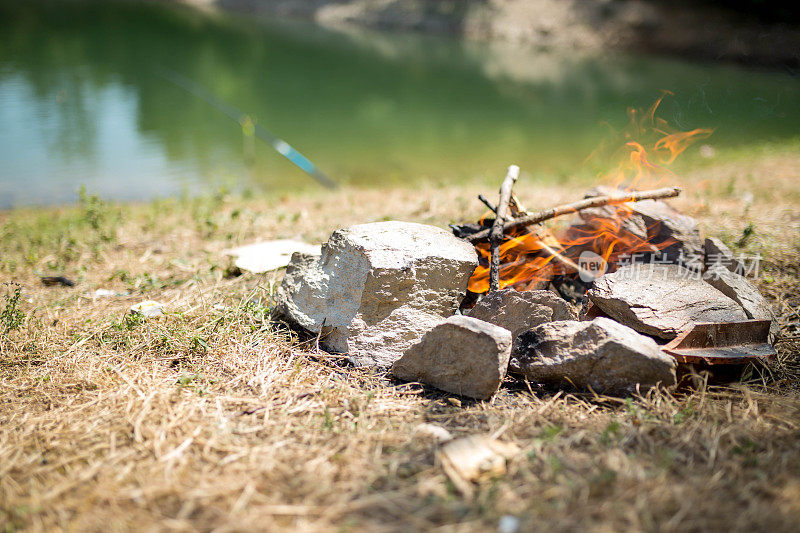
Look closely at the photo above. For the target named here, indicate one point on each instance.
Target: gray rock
(717, 253)
(377, 288)
(661, 300)
(601, 355)
(677, 235)
(520, 311)
(744, 293)
(463, 355)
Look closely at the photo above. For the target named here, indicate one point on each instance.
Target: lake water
(83, 101)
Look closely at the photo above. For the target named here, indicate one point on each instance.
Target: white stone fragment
(148, 308)
(438, 433)
(269, 255)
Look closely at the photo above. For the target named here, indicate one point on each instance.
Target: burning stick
(496, 232)
(547, 214)
(566, 261)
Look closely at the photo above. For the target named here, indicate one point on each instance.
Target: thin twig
(574, 207)
(496, 233)
(516, 206)
(487, 203)
(566, 261)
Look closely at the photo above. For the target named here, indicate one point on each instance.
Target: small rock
(104, 293)
(744, 293)
(717, 253)
(148, 308)
(661, 300)
(269, 255)
(438, 433)
(377, 288)
(520, 311)
(601, 355)
(474, 459)
(463, 355)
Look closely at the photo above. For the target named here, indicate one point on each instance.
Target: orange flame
(530, 258)
(521, 261)
(675, 143)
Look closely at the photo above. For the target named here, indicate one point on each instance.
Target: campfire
(531, 256)
(611, 303)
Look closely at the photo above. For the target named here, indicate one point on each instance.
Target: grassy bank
(214, 417)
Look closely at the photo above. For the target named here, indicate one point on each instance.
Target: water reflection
(81, 102)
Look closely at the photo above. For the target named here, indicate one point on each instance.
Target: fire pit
(612, 303)
(649, 262)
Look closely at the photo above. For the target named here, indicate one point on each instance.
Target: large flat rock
(661, 300)
(519, 311)
(462, 355)
(601, 355)
(377, 288)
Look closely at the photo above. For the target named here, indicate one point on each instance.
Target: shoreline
(679, 29)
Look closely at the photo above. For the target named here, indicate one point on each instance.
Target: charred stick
(496, 231)
(574, 207)
(487, 203)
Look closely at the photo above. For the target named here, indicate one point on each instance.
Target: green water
(82, 102)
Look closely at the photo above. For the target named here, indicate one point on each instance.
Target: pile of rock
(387, 295)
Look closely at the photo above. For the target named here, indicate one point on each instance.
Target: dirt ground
(212, 417)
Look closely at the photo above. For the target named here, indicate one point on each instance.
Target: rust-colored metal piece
(723, 343)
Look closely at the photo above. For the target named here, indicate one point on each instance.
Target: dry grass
(214, 418)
